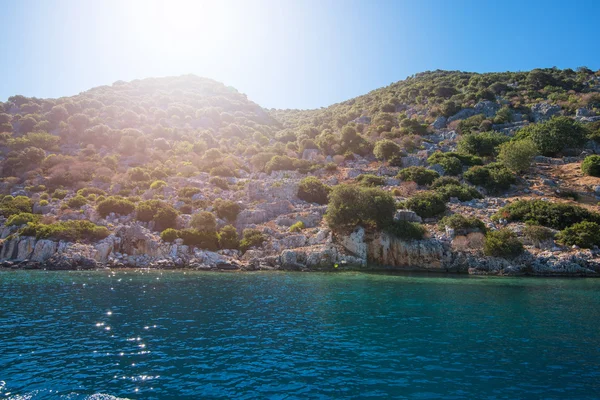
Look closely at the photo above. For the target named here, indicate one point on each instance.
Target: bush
(517, 155)
(385, 149)
(285, 163)
(59, 194)
(169, 235)
(201, 239)
(370, 180)
(228, 238)
(426, 204)
(553, 215)
(553, 136)
(138, 174)
(85, 192)
(222, 170)
(115, 205)
(43, 203)
(163, 214)
(444, 181)
(453, 162)
(481, 144)
(188, 191)
(219, 182)
(502, 243)
(251, 238)
(420, 175)
(537, 234)
(297, 227)
(462, 225)
(22, 219)
(495, 177)
(351, 205)
(76, 201)
(461, 192)
(15, 205)
(406, 230)
(591, 165)
(204, 221)
(157, 185)
(227, 209)
(583, 234)
(73, 230)
(312, 190)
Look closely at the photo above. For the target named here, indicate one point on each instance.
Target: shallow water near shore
(176, 334)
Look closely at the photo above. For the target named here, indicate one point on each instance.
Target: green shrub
(219, 182)
(163, 214)
(444, 181)
(285, 163)
(201, 239)
(60, 194)
(461, 192)
(115, 205)
(553, 215)
(502, 243)
(76, 201)
(584, 234)
(169, 235)
(370, 180)
(228, 238)
(251, 238)
(312, 190)
(188, 191)
(481, 144)
(591, 165)
(537, 234)
(15, 205)
(517, 155)
(462, 225)
(351, 205)
(44, 196)
(495, 177)
(470, 124)
(385, 149)
(22, 219)
(406, 230)
(138, 174)
(43, 203)
(204, 221)
(420, 175)
(297, 227)
(73, 230)
(223, 171)
(451, 165)
(85, 192)
(553, 136)
(157, 185)
(426, 204)
(227, 209)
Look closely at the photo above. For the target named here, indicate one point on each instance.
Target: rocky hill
(450, 171)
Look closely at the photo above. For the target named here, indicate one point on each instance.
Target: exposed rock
(311, 154)
(355, 244)
(439, 123)
(407, 215)
(544, 111)
(44, 249)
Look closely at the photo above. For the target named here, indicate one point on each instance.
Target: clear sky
(283, 53)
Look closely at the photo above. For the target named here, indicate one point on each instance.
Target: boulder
(44, 249)
(407, 215)
(544, 111)
(440, 122)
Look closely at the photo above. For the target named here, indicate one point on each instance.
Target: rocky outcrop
(544, 111)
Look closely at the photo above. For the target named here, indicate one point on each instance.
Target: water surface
(81, 335)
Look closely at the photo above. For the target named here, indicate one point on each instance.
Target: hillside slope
(436, 171)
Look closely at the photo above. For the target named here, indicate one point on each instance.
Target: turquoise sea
(179, 335)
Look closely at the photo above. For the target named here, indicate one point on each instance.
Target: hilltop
(446, 170)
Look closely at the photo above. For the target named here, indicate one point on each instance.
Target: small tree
(591, 165)
(553, 136)
(312, 190)
(385, 149)
(502, 243)
(204, 221)
(517, 155)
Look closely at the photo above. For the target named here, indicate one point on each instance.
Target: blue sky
(284, 54)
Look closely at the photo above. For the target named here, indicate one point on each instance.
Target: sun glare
(184, 27)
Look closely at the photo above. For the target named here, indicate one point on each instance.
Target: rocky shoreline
(137, 247)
